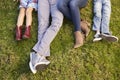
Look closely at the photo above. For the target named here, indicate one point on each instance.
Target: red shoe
(18, 33)
(27, 32)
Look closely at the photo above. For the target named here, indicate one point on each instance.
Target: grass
(92, 61)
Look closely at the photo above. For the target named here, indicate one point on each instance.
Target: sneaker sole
(41, 66)
(96, 40)
(110, 38)
(31, 68)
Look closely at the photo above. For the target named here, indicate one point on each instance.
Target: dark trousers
(70, 9)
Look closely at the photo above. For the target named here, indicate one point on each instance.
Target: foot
(27, 32)
(32, 62)
(85, 27)
(18, 33)
(42, 63)
(109, 37)
(37, 62)
(97, 37)
(79, 39)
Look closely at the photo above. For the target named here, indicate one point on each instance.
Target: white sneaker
(33, 60)
(42, 63)
(109, 37)
(97, 38)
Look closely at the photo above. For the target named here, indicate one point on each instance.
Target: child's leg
(21, 17)
(29, 16)
(20, 23)
(97, 15)
(28, 22)
(106, 11)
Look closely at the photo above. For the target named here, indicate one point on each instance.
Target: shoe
(18, 33)
(85, 27)
(32, 62)
(42, 63)
(97, 38)
(79, 39)
(109, 37)
(27, 32)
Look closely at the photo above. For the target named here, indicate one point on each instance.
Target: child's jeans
(28, 3)
(102, 11)
(46, 31)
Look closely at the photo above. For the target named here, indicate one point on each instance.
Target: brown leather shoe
(18, 33)
(27, 32)
(85, 27)
(79, 39)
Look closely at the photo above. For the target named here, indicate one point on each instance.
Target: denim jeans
(102, 11)
(70, 8)
(46, 32)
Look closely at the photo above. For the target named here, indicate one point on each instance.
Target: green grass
(92, 61)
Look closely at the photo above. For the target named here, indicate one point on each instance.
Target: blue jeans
(70, 9)
(102, 11)
(46, 31)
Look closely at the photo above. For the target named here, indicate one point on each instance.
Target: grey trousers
(46, 32)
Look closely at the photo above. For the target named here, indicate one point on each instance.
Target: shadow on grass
(22, 68)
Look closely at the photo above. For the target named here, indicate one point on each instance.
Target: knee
(98, 14)
(60, 5)
(72, 4)
(28, 11)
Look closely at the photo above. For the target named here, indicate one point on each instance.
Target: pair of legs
(22, 13)
(71, 9)
(102, 11)
(26, 8)
(46, 32)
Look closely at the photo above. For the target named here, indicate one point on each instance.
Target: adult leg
(75, 5)
(43, 22)
(64, 8)
(51, 32)
(75, 14)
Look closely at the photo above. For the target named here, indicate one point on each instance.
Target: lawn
(92, 61)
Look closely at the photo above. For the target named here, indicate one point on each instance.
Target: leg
(43, 22)
(97, 19)
(51, 32)
(29, 16)
(20, 23)
(97, 15)
(64, 8)
(21, 17)
(75, 14)
(106, 11)
(105, 22)
(36, 60)
(28, 22)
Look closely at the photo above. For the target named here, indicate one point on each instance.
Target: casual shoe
(85, 27)
(27, 32)
(97, 38)
(42, 63)
(33, 58)
(18, 33)
(79, 39)
(109, 37)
